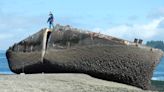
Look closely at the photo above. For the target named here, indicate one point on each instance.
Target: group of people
(51, 21)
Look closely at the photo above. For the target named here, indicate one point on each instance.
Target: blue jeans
(51, 25)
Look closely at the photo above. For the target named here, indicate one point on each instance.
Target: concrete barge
(64, 49)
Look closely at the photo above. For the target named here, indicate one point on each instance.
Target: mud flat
(61, 83)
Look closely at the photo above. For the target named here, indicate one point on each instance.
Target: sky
(126, 19)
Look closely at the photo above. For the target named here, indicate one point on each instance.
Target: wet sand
(60, 83)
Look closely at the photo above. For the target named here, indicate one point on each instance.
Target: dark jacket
(51, 18)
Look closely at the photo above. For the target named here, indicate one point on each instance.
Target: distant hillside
(156, 44)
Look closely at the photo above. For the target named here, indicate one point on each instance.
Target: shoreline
(61, 83)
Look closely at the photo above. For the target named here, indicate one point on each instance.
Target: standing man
(50, 20)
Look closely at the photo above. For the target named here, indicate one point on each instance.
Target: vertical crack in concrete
(46, 36)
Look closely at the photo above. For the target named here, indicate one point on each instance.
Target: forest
(156, 44)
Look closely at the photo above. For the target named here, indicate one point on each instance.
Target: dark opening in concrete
(48, 36)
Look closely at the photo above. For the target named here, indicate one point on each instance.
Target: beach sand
(60, 83)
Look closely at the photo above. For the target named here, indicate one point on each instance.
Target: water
(4, 68)
(159, 71)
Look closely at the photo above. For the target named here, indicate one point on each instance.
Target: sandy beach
(60, 83)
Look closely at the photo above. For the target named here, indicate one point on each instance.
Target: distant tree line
(156, 44)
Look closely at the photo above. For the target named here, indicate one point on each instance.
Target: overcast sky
(126, 19)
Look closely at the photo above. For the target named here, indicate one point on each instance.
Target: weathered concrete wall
(125, 64)
(69, 50)
(30, 44)
(25, 53)
(65, 36)
(18, 61)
